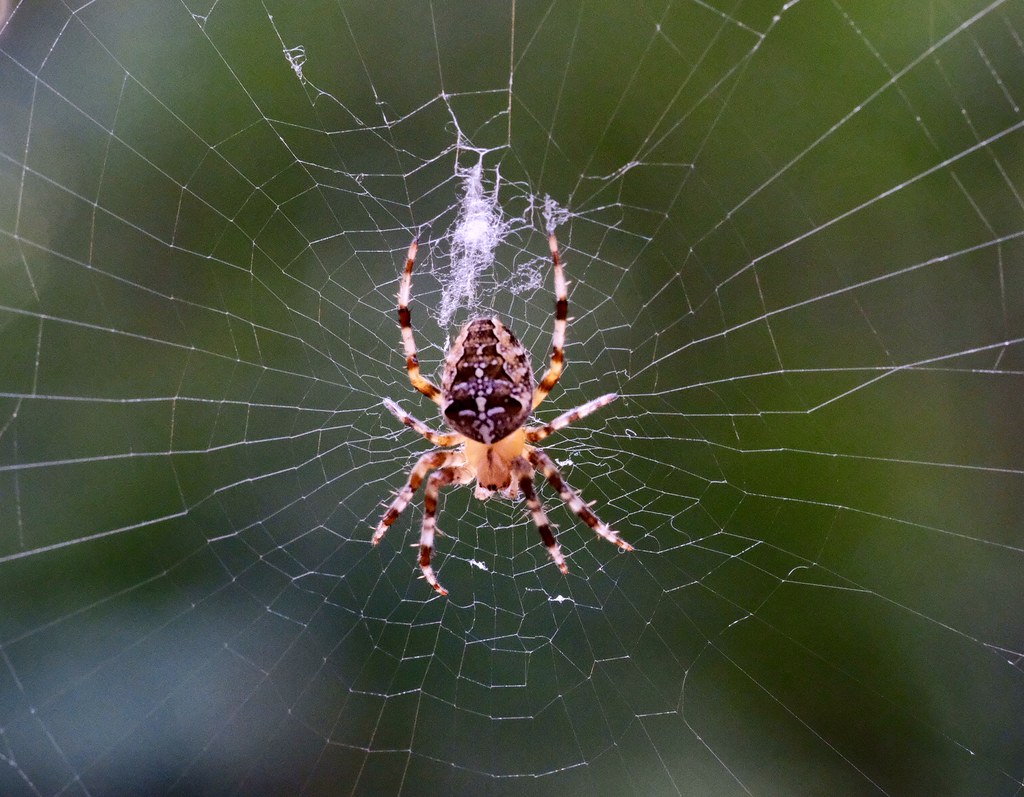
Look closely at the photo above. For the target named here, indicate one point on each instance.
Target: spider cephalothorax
(487, 393)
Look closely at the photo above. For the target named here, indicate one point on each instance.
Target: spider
(487, 393)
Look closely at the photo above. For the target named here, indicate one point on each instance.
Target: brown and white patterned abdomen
(487, 385)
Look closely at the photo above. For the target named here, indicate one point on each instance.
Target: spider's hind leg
(561, 322)
(412, 363)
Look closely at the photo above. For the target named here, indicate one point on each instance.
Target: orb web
(793, 234)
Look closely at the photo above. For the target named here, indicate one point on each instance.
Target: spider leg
(561, 320)
(441, 439)
(412, 363)
(535, 434)
(543, 462)
(459, 474)
(425, 464)
(524, 472)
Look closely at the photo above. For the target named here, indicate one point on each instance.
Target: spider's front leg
(458, 474)
(425, 464)
(543, 462)
(523, 472)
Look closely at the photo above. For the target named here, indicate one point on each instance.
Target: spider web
(794, 235)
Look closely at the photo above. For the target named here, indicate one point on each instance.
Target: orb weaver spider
(487, 393)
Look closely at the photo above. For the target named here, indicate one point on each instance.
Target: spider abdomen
(487, 385)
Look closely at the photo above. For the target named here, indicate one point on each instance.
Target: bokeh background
(796, 238)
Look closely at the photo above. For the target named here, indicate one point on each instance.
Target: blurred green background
(795, 240)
